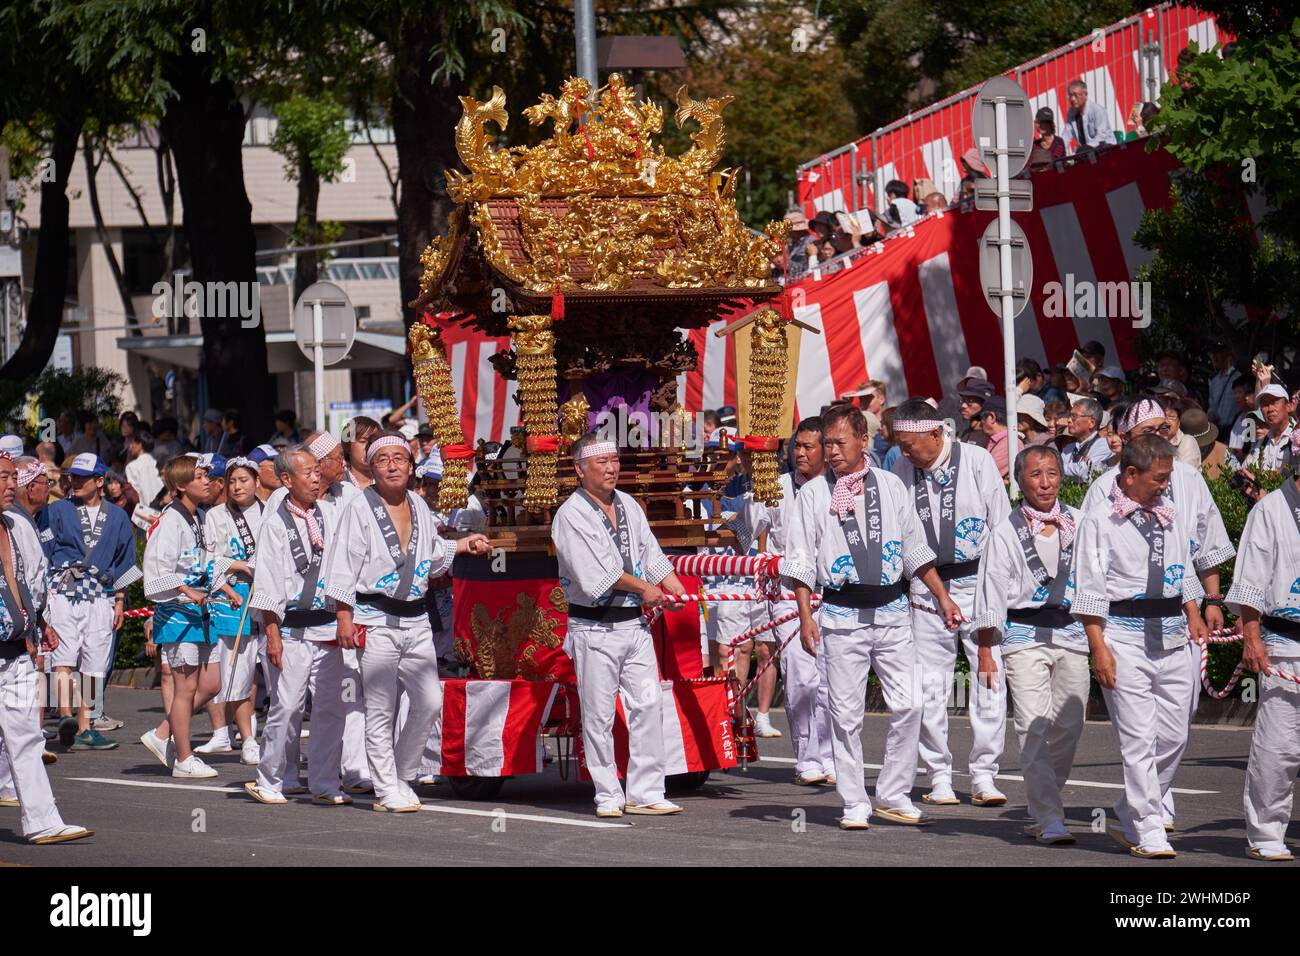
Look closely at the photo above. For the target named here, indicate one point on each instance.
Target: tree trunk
(307, 231)
(424, 121)
(50, 283)
(205, 126)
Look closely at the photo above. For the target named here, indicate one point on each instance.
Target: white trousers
(355, 768)
(1148, 708)
(1192, 661)
(305, 666)
(612, 663)
(1274, 759)
(851, 653)
(1049, 690)
(807, 701)
(22, 745)
(936, 653)
(397, 659)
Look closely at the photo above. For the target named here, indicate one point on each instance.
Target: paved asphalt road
(142, 817)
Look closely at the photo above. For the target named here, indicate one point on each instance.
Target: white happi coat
(1005, 581)
(1112, 566)
(172, 557)
(757, 517)
(1197, 513)
(589, 560)
(277, 582)
(28, 545)
(360, 561)
(817, 552)
(981, 504)
(1267, 573)
(225, 547)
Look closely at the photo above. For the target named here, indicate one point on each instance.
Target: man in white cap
(1022, 604)
(12, 446)
(1139, 606)
(853, 535)
(1272, 451)
(1200, 524)
(1265, 592)
(23, 781)
(386, 549)
(959, 497)
(611, 567)
(1108, 385)
(92, 563)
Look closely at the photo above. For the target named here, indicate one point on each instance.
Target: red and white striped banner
(697, 729)
(491, 728)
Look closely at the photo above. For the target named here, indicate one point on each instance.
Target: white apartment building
(163, 370)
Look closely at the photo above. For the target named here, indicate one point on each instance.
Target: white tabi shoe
(218, 743)
(809, 778)
(609, 812)
(1269, 854)
(987, 795)
(250, 755)
(662, 808)
(332, 799)
(852, 823)
(262, 795)
(64, 834)
(1054, 834)
(909, 816)
(763, 726)
(941, 795)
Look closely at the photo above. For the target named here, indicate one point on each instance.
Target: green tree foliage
(312, 132)
(904, 54)
(783, 70)
(1231, 121)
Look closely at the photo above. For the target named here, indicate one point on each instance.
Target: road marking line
(1010, 776)
(461, 811)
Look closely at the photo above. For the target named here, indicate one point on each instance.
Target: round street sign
(1022, 269)
(1020, 124)
(338, 322)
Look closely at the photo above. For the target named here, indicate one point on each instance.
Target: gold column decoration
(767, 369)
(535, 359)
(433, 381)
(573, 419)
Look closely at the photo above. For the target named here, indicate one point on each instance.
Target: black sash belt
(1055, 617)
(863, 595)
(962, 569)
(1283, 627)
(12, 649)
(604, 615)
(394, 607)
(296, 618)
(1147, 607)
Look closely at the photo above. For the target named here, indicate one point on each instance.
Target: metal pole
(1008, 300)
(318, 360)
(584, 30)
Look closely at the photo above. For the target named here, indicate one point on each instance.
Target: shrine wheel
(685, 782)
(476, 788)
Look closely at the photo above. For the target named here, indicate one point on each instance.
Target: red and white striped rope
(711, 597)
(1230, 635)
(719, 565)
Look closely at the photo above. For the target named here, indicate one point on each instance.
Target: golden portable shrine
(592, 251)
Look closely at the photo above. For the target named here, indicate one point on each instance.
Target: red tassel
(557, 304)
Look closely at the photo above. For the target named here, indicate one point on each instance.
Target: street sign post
(325, 325)
(1003, 129)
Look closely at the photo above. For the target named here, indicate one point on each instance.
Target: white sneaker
(250, 755)
(164, 750)
(192, 768)
(218, 743)
(763, 726)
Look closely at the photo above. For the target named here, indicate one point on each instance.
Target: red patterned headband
(322, 445)
(917, 425)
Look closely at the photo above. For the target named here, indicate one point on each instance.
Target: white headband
(597, 448)
(916, 425)
(239, 461)
(323, 444)
(1142, 411)
(386, 441)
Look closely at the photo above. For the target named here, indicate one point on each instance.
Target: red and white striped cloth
(491, 728)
